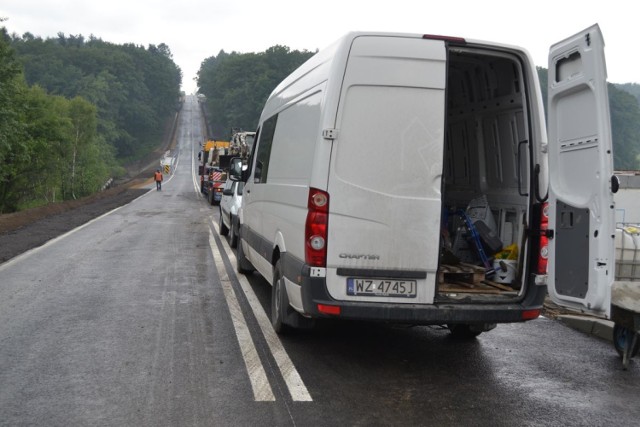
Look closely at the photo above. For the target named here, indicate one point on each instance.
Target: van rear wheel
(283, 316)
(279, 300)
(243, 265)
(224, 230)
(233, 232)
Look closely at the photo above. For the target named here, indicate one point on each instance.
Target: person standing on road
(158, 178)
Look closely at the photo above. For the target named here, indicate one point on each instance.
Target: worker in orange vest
(158, 178)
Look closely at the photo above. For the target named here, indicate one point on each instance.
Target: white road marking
(259, 383)
(297, 389)
(194, 177)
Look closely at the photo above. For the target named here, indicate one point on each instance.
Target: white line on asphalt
(196, 184)
(298, 390)
(259, 383)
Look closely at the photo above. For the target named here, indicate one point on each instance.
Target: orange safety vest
(158, 176)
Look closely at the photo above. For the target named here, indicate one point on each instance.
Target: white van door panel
(252, 223)
(386, 166)
(581, 215)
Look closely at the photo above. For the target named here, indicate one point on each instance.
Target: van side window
(247, 173)
(264, 150)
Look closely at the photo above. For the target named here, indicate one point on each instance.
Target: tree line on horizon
(73, 111)
(236, 85)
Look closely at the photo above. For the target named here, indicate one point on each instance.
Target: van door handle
(615, 184)
(518, 169)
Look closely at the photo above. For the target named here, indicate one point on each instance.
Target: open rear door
(581, 210)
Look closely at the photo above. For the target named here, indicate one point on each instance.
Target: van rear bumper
(314, 293)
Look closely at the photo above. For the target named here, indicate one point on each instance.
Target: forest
(73, 111)
(236, 85)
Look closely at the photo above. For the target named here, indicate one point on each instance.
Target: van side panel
(386, 166)
(276, 205)
(288, 180)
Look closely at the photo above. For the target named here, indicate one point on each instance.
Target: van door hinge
(330, 134)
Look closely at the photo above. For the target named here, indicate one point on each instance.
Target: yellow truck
(213, 144)
(213, 174)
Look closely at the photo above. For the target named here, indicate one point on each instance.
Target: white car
(229, 205)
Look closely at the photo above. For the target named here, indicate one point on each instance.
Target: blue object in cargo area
(477, 242)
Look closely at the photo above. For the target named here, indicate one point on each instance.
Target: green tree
(50, 146)
(135, 89)
(82, 115)
(14, 150)
(632, 88)
(236, 85)
(39, 178)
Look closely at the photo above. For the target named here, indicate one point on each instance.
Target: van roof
(320, 66)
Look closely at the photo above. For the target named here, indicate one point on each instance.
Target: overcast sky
(197, 29)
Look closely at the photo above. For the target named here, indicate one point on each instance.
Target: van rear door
(581, 211)
(386, 169)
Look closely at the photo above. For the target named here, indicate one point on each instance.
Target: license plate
(381, 287)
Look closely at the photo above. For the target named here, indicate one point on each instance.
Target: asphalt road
(138, 318)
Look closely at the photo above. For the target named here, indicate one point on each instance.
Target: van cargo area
(486, 178)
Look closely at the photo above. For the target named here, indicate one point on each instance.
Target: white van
(391, 171)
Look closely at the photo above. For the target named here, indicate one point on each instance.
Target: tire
(243, 265)
(463, 331)
(210, 197)
(233, 233)
(224, 230)
(621, 337)
(279, 301)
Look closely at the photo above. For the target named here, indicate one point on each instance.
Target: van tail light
(444, 38)
(334, 310)
(316, 228)
(530, 314)
(543, 254)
